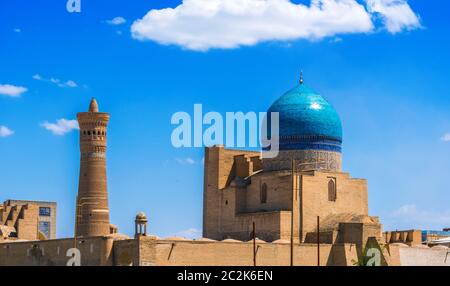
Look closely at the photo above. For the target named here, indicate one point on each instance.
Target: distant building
(441, 242)
(27, 220)
(415, 237)
(409, 237)
(431, 235)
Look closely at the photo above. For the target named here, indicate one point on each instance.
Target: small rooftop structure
(93, 106)
(141, 217)
(140, 225)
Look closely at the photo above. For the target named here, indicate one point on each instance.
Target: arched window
(332, 190)
(264, 193)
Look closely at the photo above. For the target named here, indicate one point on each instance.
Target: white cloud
(5, 131)
(188, 161)
(405, 210)
(191, 233)
(205, 24)
(71, 83)
(446, 137)
(410, 217)
(12, 90)
(117, 21)
(61, 127)
(17, 30)
(397, 15)
(37, 77)
(56, 81)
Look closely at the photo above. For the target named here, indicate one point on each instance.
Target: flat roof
(30, 202)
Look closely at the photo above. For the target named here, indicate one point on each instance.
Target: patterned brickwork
(92, 201)
(233, 194)
(305, 159)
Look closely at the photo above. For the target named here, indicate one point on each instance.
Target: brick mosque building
(287, 193)
(305, 210)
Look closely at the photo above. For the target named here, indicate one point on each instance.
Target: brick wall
(95, 251)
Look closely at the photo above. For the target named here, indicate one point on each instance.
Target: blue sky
(386, 71)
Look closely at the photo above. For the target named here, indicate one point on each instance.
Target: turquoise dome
(307, 121)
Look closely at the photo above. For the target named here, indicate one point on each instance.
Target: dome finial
(301, 77)
(93, 106)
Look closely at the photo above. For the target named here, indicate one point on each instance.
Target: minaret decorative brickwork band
(92, 217)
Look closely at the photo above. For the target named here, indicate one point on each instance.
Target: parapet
(408, 237)
(246, 165)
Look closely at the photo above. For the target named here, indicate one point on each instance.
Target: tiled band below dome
(310, 142)
(305, 159)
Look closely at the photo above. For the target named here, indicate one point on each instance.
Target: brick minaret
(92, 217)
